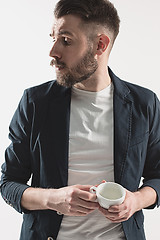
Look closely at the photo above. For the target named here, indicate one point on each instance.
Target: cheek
(69, 57)
(72, 56)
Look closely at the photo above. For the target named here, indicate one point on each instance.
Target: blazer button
(50, 238)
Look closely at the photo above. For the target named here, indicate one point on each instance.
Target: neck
(96, 83)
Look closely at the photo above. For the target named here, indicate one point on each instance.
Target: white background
(24, 46)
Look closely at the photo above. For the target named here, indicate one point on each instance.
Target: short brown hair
(100, 12)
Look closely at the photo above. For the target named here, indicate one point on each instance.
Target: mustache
(55, 62)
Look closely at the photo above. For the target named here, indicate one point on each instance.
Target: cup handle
(93, 189)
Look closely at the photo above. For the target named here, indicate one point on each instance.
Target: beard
(85, 68)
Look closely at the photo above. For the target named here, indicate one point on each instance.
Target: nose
(55, 51)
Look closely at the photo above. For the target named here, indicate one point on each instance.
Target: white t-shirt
(90, 160)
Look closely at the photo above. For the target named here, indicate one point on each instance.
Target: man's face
(72, 53)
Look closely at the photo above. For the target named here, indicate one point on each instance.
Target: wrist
(138, 200)
(50, 200)
(35, 198)
(145, 197)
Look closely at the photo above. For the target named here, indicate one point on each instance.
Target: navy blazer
(39, 132)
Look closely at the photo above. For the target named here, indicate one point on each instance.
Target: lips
(57, 64)
(59, 67)
(52, 63)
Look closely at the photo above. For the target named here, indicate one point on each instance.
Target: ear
(103, 42)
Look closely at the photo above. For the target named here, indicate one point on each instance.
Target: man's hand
(122, 212)
(134, 201)
(78, 201)
(72, 200)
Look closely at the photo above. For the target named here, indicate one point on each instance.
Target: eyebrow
(63, 32)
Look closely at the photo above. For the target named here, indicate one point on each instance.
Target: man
(88, 125)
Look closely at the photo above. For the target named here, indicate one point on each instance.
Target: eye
(66, 41)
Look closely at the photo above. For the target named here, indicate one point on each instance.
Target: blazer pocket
(139, 139)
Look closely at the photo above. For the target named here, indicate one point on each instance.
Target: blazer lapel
(59, 130)
(122, 126)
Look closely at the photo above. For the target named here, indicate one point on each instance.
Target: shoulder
(40, 91)
(131, 91)
(139, 94)
(45, 91)
(144, 101)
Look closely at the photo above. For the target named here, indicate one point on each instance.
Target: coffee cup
(109, 193)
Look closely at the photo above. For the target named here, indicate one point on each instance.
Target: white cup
(109, 193)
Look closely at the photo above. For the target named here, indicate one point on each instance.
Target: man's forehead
(68, 24)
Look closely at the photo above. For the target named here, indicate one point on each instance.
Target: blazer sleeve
(151, 171)
(16, 170)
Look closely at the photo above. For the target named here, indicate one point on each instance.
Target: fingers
(115, 217)
(118, 208)
(116, 214)
(84, 187)
(83, 198)
(81, 210)
(87, 204)
(87, 196)
(77, 200)
(103, 181)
